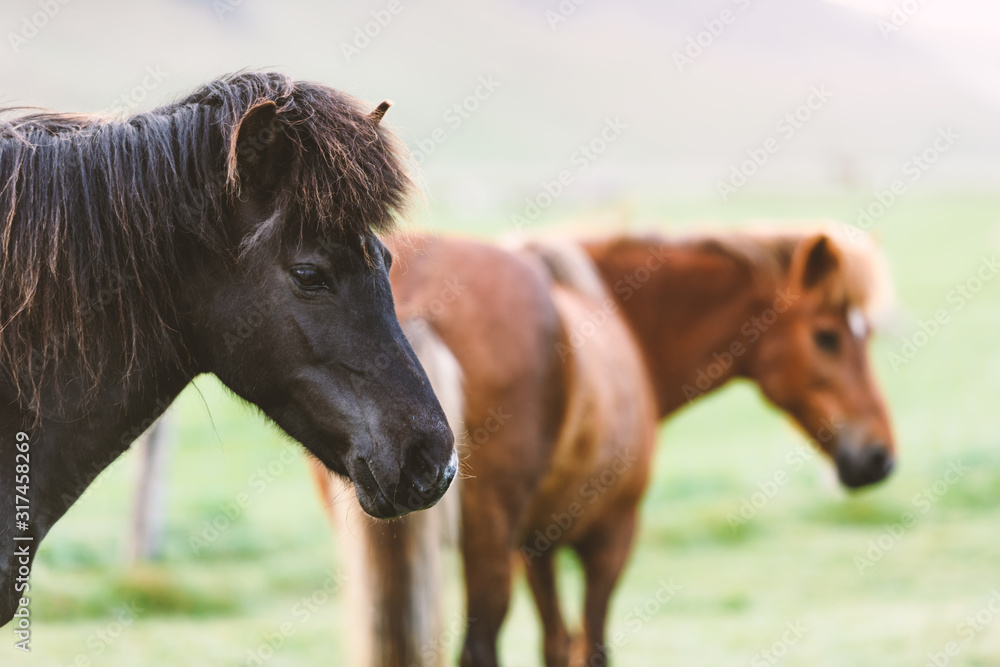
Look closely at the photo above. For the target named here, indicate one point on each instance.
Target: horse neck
(689, 309)
(74, 438)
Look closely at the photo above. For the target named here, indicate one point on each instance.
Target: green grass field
(795, 564)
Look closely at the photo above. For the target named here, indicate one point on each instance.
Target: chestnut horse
(557, 450)
(789, 311)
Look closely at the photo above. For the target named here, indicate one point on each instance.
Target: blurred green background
(687, 128)
(794, 561)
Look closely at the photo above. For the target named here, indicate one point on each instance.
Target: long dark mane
(95, 213)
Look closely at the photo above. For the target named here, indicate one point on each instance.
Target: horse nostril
(419, 470)
(879, 457)
(426, 463)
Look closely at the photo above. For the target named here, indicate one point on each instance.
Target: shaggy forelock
(862, 280)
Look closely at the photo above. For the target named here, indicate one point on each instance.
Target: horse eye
(308, 277)
(827, 340)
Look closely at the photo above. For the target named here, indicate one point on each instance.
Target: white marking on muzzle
(857, 323)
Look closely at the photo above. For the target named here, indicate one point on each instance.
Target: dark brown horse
(788, 311)
(229, 233)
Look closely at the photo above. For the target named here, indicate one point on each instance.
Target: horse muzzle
(419, 484)
(863, 465)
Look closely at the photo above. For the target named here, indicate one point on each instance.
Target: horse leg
(542, 578)
(488, 557)
(603, 552)
(487, 578)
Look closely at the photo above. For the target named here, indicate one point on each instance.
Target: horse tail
(394, 568)
(569, 265)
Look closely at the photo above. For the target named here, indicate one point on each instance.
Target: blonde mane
(863, 280)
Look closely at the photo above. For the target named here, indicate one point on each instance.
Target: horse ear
(375, 117)
(815, 259)
(253, 147)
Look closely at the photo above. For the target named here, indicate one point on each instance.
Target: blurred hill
(556, 85)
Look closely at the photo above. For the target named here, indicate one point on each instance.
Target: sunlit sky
(962, 33)
(973, 18)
